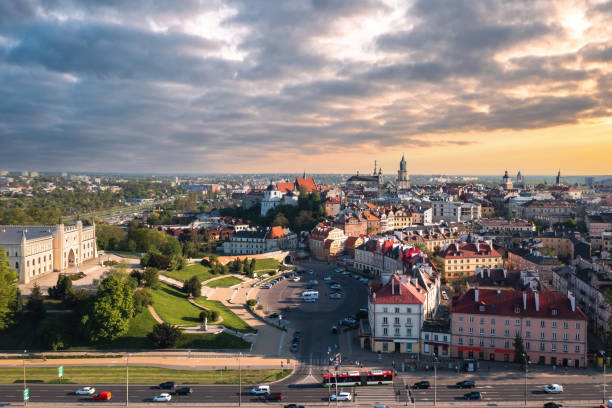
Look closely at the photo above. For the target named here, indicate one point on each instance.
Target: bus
(310, 295)
(357, 378)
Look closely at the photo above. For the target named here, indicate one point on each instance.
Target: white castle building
(36, 250)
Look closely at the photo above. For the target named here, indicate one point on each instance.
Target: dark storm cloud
(121, 84)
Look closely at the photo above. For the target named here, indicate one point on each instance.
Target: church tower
(506, 181)
(558, 179)
(403, 181)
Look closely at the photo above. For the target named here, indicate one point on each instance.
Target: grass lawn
(267, 263)
(138, 375)
(172, 306)
(184, 274)
(125, 254)
(224, 282)
(230, 320)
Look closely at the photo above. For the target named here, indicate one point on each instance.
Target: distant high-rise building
(589, 181)
(403, 181)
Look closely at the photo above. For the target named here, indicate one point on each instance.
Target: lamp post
(435, 364)
(239, 380)
(127, 380)
(526, 362)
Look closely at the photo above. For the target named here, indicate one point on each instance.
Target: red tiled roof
(507, 300)
(285, 187)
(308, 183)
(276, 232)
(410, 294)
(468, 250)
(350, 241)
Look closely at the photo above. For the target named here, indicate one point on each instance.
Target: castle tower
(403, 181)
(506, 181)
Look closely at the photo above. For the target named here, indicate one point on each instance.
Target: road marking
(280, 344)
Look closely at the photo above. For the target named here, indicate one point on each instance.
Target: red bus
(357, 378)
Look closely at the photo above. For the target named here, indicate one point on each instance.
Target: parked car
(349, 320)
(556, 405)
(266, 286)
(293, 406)
(336, 287)
(310, 271)
(342, 396)
(355, 276)
(444, 295)
(466, 384)
(327, 279)
(163, 397)
(346, 273)
(335, 295)
(364, 280)
(273, 315)
(103, 396)
(183, 391)
(260, 390)
(296, 279)
(274, 396)
(86, 391)
(334, 329)
(553, 389)
(294, 348)
(474, 395)
(421, 385)
(313, 282)
(168, 385)
(297, 334)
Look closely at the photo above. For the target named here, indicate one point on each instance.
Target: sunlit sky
(459, 87)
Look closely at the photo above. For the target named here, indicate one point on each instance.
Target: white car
(163, 397)
(261, 390)
(336, 287)
(310, 271)
(553, 389)
(346, 273)
(296, 279)
(349, 320)
(327, 279)
(364, 280)
(342, 396)
(335, 295)
(86, 391)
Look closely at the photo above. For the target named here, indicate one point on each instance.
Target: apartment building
(455, 211)
(463, 258)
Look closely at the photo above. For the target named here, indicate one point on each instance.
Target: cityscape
(372, 203)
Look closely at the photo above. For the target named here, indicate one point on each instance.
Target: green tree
(36, 304)
(520, 355)
(280, 220)
(62, 289)
(193, 286)
(165, 335)
(142, 299)
(150, 276)
(8, 292)
(111, 311)
(459, 284)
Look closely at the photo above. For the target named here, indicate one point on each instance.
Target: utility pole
(127, 380)
(239, 380)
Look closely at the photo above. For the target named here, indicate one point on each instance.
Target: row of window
(397, 320)
(436, 337)
(397, 310)
(507, 345)
(518, 333)
(517, 322)
(397, 332)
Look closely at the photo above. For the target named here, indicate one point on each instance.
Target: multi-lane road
(495, 393)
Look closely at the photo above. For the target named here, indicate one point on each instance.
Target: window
(385, 320)
(492, 343)
(542, 323)
(397, 310)
(493, 321)
(507, 333)
(517, 333)
(435, 337)
(527, 345)
(577, 349)
(409, 320)
(565, 325)
(397, 331)
(409, 311)
(460, 340)
(565, 348)
(426, 336)
(553, 347)
(460, 318)
(542, 346)
(397, 320)
(565, 336)
(471, 319)
(471, 330)
(385, 346)
(578, 325)
(554, 312)
(507, 322)
(385, 309)
(445, 338)
(542, 335)
(492, 332)
(426, 349)
(481, 342)
(471, 342)
(578, 336)
(517, 310)
(385, 331)
(482, 320)
(506, 344)
(528, 334)
(528, 323)
(554, 336)
(554, 325)
(482, 332)
(408, 332)
(461, 330)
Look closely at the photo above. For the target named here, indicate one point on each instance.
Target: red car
(103, 396)
(274, 396)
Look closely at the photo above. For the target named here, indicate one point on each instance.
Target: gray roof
(11, 234)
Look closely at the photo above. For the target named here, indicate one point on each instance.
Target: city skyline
(252, 87)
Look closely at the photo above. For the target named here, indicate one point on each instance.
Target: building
(548, 211)
(353, 223)
(403, 181)
(506, 182)
(396, 312)
(506, 226)
(521, 258)
(599, 223)
(272, 197)
(326, 242)
(433, 238)
(250, 242)
(37, 250)
(436, 338)
(286, 193)
(462, 259)
(558, 180)
(455, 211)
(566, 245)
(332, 206)
(422, 216)
(484, 324)
(358, 181)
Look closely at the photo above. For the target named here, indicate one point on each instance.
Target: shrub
(193, 286)
(150, 276)
(165, 335)
(36, 305)
(142, 300)
(251, 302)
(214, 315)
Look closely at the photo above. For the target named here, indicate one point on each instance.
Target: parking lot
(314, 320)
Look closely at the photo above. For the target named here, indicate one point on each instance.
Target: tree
(62, 289)
(251, 303)
(165, 335)
(280, 220)
(193, 287)
(520, 356)
(36, 305)
(150, 276)
(111, 311)
(142, 300)
(459, 284)
(8, 292)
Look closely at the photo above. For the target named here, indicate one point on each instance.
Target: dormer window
(517, 309)
(481, 308)
(555, 312)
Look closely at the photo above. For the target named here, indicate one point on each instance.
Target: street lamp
(239, 380)
(127, 381)
(435, 364)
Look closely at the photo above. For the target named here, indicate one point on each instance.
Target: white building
(37, 250)
(272, 198)
(455, 211)
(260, 241)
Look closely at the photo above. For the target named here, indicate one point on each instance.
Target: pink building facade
(485, 322)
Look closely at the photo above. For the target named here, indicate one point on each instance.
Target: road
(491, 392)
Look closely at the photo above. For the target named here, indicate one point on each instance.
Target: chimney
(537, 300)
(505, 275)
(524, 300)
(489, 272)
(572, 299)
(477, 247)
(476, 295)
(393, 285)
(400, 286)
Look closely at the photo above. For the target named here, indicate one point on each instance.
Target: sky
(165, 86)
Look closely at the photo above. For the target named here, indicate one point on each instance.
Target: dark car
(466, 384)
(553, 405)
(297, 334)
(273, 316)
(274, 396)
(183, 391)
(168, 385)
(294, 406)
(474, 395)
(421, 385)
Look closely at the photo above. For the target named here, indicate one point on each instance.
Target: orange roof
(371, 206)
(285, 187)
(370, 216)
(276, 232)
(308, 183)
